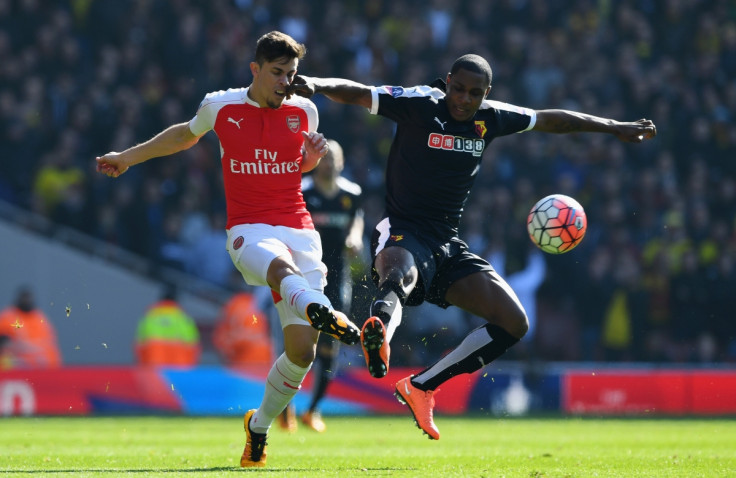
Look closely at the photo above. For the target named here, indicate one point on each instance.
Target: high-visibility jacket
(242, 334)
(32, 342)
(166, 335)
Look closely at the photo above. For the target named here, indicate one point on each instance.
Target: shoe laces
(257, 445)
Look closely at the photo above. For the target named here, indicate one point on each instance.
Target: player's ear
(488, 90)
(254, 68)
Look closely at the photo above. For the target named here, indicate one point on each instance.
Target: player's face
(270, 81)
(465, 92)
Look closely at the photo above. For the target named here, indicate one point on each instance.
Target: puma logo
(237, 123)
(442, 125)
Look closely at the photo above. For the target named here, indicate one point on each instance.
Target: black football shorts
(440, 262)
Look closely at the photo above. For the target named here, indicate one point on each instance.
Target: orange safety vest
(242, 334)
(32, 339)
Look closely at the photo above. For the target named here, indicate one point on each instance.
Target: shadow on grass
(199, 470)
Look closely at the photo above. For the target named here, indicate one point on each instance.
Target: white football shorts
(252, 247)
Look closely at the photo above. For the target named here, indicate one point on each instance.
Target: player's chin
(461, 116)
(276, 101)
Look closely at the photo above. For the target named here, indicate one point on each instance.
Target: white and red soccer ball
(557, 224)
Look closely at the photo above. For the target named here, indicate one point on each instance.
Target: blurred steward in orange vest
(166, 335)
(29, 337)
(242, 335)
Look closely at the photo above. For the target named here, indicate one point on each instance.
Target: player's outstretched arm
(336, 89)
(564, 121)
(171, 140)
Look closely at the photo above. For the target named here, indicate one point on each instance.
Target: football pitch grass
(371, 446)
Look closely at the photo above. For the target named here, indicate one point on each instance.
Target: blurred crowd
(654, 278)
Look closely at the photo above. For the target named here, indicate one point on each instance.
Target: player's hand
(315, 145)
(301, 86)
(637, 131)
(111, 165)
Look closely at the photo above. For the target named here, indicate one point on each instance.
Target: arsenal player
(266, 142)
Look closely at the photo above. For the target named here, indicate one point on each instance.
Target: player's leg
(486, 295)
(281, 257)
(261, 252)
(309, 303)
(283, 380)
(396, 274)
(326, 361)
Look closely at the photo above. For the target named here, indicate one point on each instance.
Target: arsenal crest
(293, 122)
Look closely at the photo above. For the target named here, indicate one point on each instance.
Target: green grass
(366, 447)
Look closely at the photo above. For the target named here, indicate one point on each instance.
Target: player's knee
(521, 327)
(514, 321)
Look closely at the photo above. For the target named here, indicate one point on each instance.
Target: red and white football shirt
(261, 156)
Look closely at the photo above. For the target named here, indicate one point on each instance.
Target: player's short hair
(474, 63)
(274, 45)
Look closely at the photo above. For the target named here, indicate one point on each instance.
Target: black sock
(481, 347)
(389, 296)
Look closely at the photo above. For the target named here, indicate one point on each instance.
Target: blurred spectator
(27, 337)
(166, 335)
(242, 334)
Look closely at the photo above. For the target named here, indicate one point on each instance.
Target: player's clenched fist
(111, 165)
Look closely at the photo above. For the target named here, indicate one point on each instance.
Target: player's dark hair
(274, 45)
(474, 63)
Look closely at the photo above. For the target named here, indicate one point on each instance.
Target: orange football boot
(420, 403)
(254, 454)
(375, 347)
(314, 421)
(287, 419)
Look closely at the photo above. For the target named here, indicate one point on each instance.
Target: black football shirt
(434, 160)
(332, 218)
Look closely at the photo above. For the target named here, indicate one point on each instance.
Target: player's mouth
(459, 113)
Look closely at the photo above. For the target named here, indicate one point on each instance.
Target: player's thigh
(488, 295)
(306, 251)
(252, 248)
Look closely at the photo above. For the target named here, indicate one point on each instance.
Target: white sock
(394, 322)
(297, 294)
(283, 381)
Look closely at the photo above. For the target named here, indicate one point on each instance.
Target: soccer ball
(557, 224)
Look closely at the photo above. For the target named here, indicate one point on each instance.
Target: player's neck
(253, 97)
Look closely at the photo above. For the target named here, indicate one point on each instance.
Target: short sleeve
(204, 120)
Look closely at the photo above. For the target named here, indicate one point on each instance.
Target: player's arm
(315, 146)
(336, 89)
(564, 121)
(171, 140)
